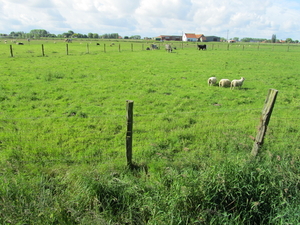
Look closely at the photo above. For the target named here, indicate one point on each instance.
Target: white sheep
(237, 83)
(224, 83)
(212, 81)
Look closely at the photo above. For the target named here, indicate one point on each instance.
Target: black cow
(201, 47)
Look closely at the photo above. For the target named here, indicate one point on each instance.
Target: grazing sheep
(168, 48)
(224, 83)
(237, 83)
(212, 81)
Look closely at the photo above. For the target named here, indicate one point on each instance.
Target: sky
(151, 18)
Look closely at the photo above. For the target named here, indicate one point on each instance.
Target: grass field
(63, 128)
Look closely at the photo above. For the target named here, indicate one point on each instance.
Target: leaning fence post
(11, 51)
(43, 52)
(129, 109)
(264, 120)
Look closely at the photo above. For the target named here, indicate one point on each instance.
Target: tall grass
(63, 126)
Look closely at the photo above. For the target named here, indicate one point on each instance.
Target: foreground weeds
(261, 191)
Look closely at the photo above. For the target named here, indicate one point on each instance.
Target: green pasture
(63, 129)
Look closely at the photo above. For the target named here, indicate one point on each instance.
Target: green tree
(273, 39)
(39, 33)
(95, 35)
(135, 37)
(289, 40)
(90, 35)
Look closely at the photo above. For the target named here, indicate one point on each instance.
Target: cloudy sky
(149, 18)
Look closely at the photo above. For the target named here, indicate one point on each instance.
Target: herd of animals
(226, 82)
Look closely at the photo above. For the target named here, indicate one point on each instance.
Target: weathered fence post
(129, 109)
(131, 47)
(43, 52)
(11, 51)
(264, 120)
(228, 47)
(87, 48)
(104, 48)
(67, 47)
(119, 47)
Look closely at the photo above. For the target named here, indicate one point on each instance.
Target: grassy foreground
(63, 127)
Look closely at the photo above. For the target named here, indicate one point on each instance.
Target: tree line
(41, 33)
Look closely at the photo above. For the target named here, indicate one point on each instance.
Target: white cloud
(241, 18)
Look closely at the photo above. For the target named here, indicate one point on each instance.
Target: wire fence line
(137, 115)
(88, 48)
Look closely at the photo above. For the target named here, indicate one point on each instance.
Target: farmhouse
(189, 37)
(199, 37)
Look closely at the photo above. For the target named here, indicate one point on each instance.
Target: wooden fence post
(43, 52)
(104, 48)
(11, 51)
(67, 47)
(264, 120)
(87, 48)
(129, 109)
(119, 47)
(132, 47)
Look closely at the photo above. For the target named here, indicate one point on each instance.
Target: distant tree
(296, 41)
(71, 32)
(135, 37)
(126, 37)
(273, 39)
(95, 35)
(90, 35)
(110, 36)
(39, 33)
(289, 40)
(236, 39)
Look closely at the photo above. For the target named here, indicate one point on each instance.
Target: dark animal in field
(20, 43)
(97, 44)
(147, 48)
(201, 47)
(68, 40)
(153, 46)
(168, 48)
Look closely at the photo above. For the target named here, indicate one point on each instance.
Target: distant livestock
(237, 83)
(68, 40)
(224, 83)
(20, 43)
(201, 47)
(168, 48)
(97, 44)
(153, 46)
(212, 81)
